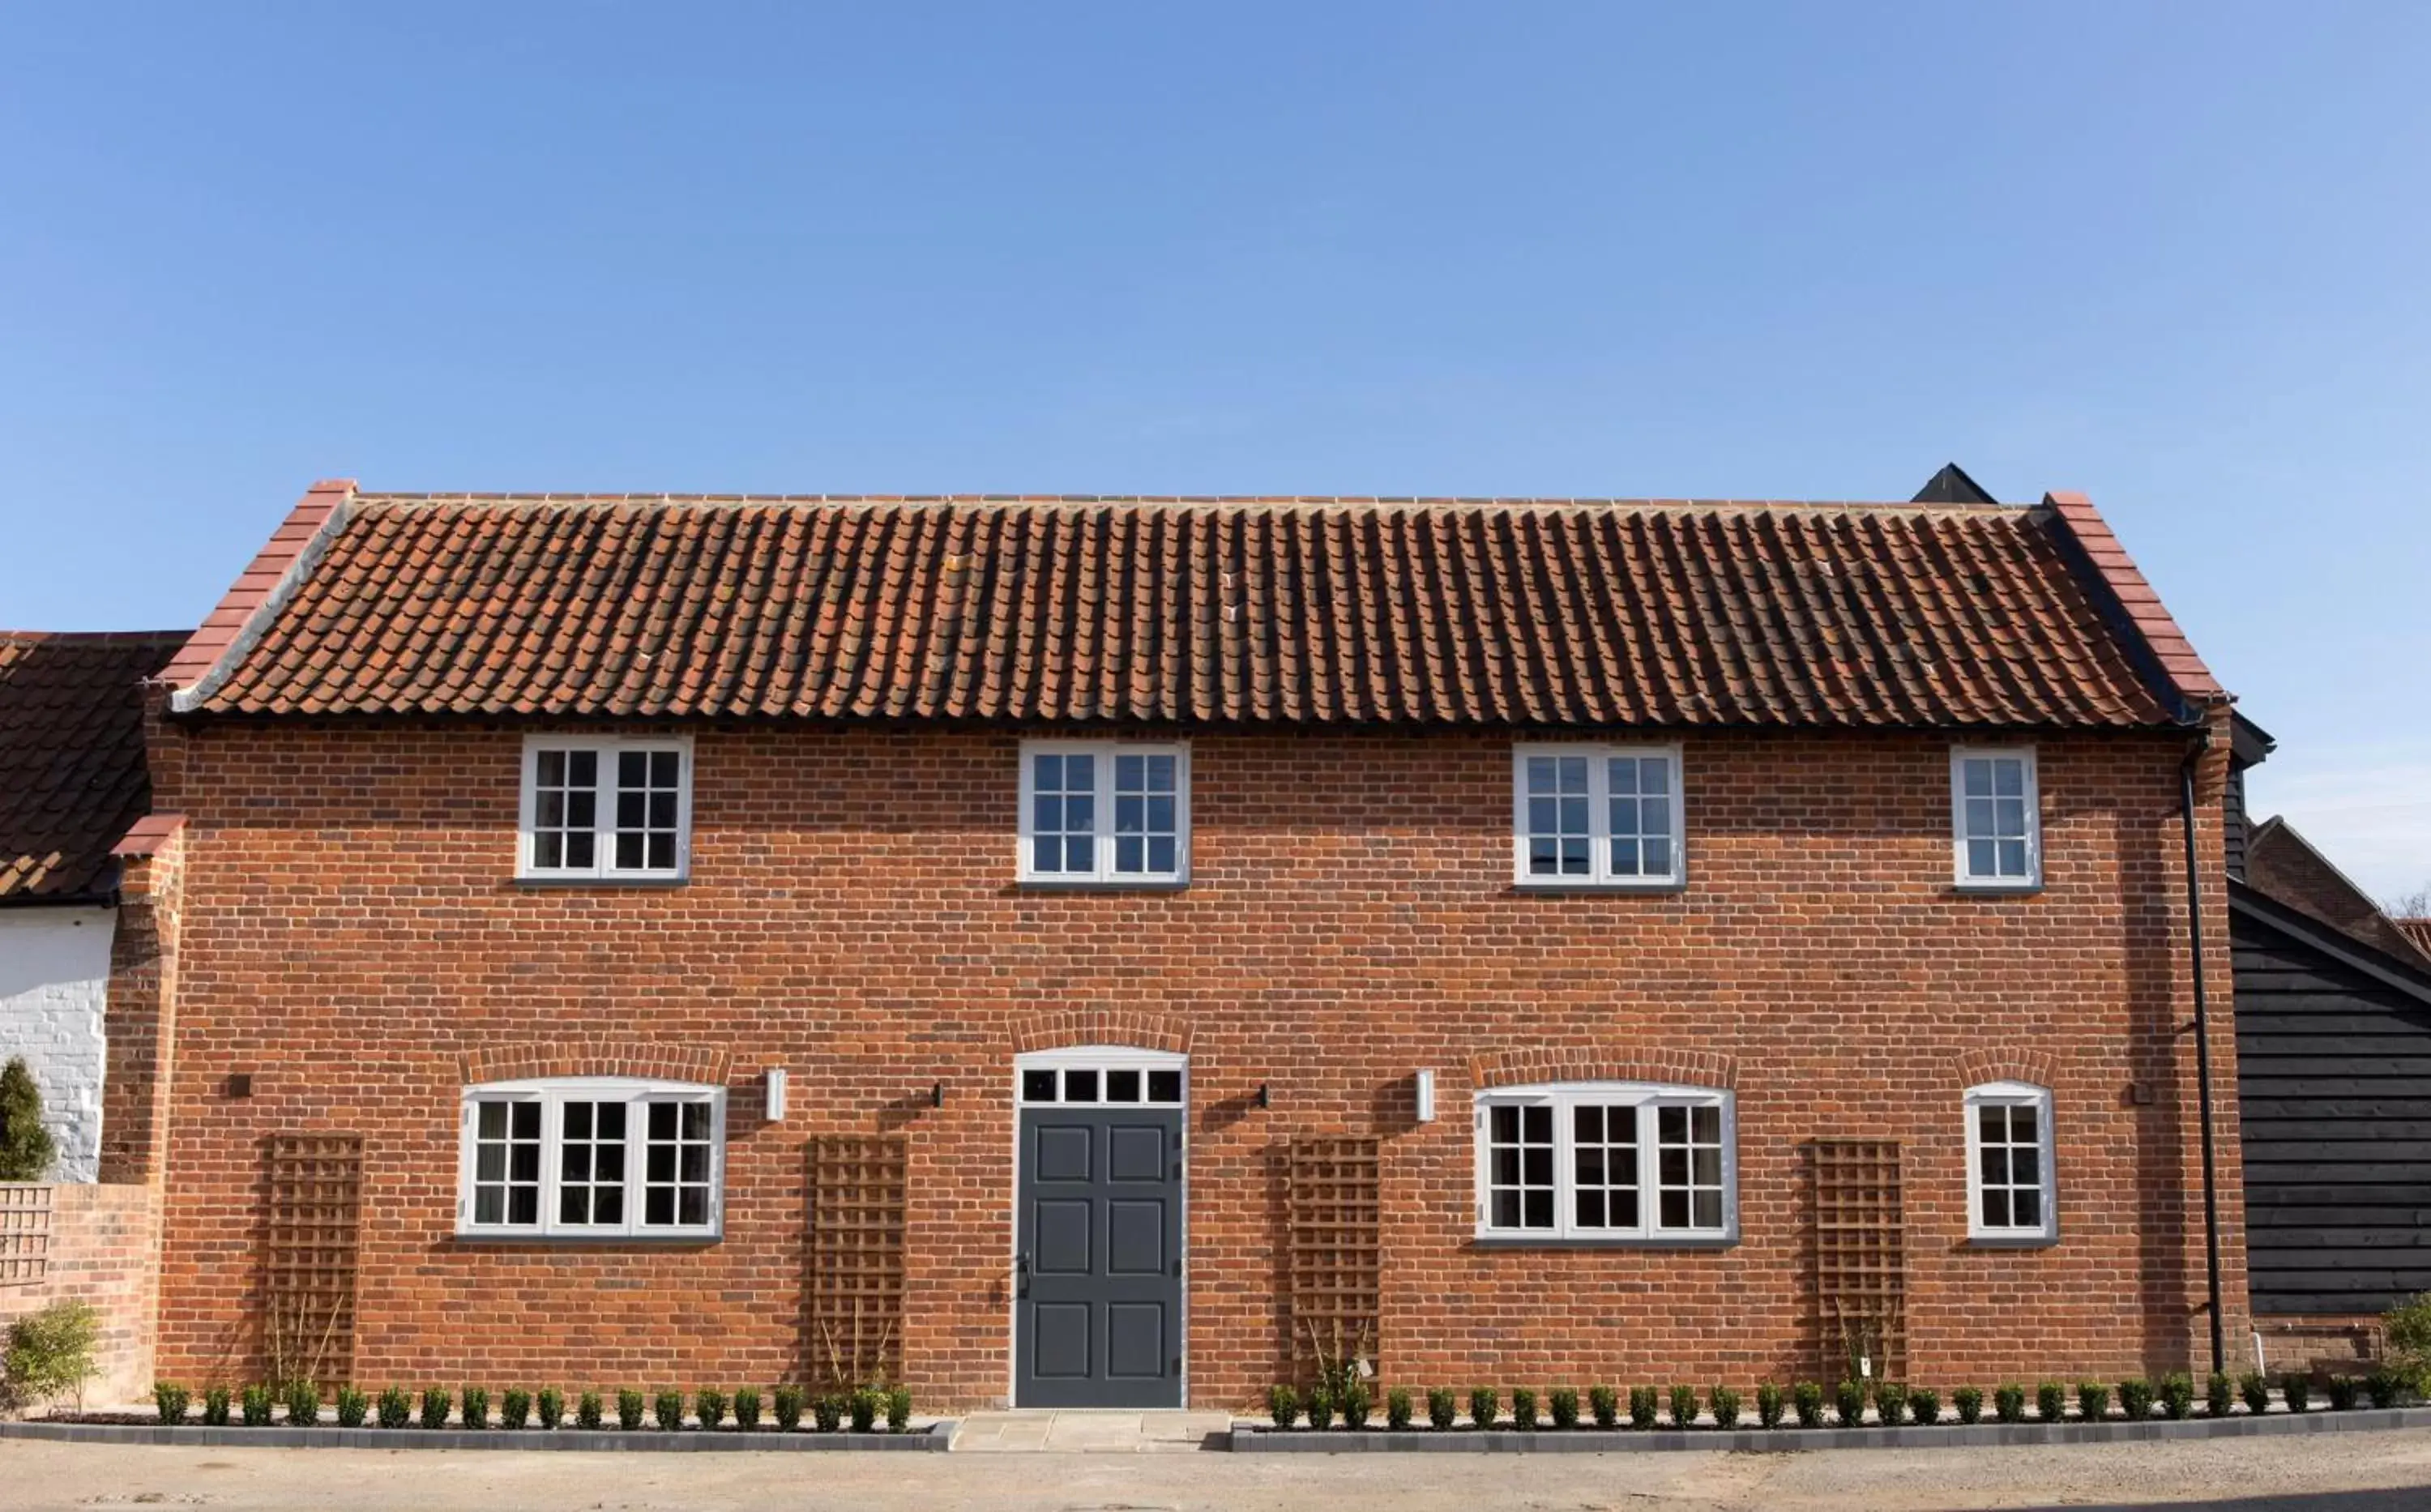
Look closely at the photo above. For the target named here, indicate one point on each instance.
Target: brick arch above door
(600, 1055)
(1129, 1027)
(1595, 1063)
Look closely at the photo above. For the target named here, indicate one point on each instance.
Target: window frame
(603, 867)
(1103, 838)
(1961, 877)
(1644, 1098)
(2011, 1094)
(1599, 877)
(553, 1094)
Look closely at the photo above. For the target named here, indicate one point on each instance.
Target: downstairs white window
(592, 1157)
(1606, 1161)
(2009, 1187)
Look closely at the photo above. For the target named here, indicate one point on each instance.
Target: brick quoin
(352, 938)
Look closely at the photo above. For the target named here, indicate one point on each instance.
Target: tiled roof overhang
(72, 769)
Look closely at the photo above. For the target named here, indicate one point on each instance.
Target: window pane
(523, 1163)
(1671, 1125)
(577, 1120)
(1979, 816)
(1995, 1162)
(548, 850)
(1505, 1163)
(658, 1162)
(1980, 860)
(1506, 1208)
(2025, 1165)
(1706, 1124)
(632, 769)
(692, 1205)
(1536, 1124)
(581, 850)
(2008, 777)
(1624, 858)
(523, 1204)
(1129, 853)
(1707, 1164)
(1673, 1209)
(658, 1205)
(2013, 857)
(692, 1164)
(1122, 1086)
(608, 1204)
(1164, 1087)
(1588, 1163)
(1991, 1123)
(1591, 1209)
(1130, 773)
(551, 765)
(1587, 1123)
(1976, 774)
(1537, 1165)
(1541, 778)
(2022, 1124)
(695, 1120)
(574, 1204)
(2026, 1204)
(1659, 857)
(1046, 851)
(1161, 855)
(1537, 1205)
(1504, 1122)
(1708, 1206)
(1672, 1164)
(1624, 1207)
(1080, 855)
(489, 1204)
(1996, 1207)
(490, 1163)
(492, 1118)
(1079, 1087)
(1038, 1086)
(576, 1164)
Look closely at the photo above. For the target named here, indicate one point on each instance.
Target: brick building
(1117, 950)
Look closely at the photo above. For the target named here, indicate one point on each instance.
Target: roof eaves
(2159, 648)
(259, 592)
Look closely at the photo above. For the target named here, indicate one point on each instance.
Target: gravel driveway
(2342, 1472)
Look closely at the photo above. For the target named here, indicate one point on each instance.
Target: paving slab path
(1096, 1432)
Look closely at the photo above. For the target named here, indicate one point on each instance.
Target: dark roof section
(2406, 973)
(1521, 612)
(72, 774)
(1952, 486)
(2283, 867)
(2249, 743)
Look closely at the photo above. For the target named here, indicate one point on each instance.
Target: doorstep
(1091, 1431)
(1250, 1439)
(720, 1440)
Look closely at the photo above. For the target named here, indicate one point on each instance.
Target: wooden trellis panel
(24, 1234)
(1860, 1254)
(1334, 1209)
(308, 1326)
(856, 1281)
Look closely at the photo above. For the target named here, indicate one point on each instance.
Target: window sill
(1569, 886)
(2005, 1241)
(1987, 889)
(592, 1241)
(1112, 884)
(1521, 1241)
(544, 883)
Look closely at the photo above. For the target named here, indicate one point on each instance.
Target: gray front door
(1098, 1272)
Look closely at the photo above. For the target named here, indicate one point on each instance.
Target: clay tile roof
(1523, 613)
(72, 776)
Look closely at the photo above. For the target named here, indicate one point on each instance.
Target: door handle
(1021, 1274)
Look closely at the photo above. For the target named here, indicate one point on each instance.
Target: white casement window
(2009, 1188)
(606, 807)
(592, 1157)
(1104, 811)
(1995, 823)
(1613, 1161)
(1597, 815)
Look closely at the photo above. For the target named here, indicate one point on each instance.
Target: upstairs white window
(2009, 1187)
(604, 807)
(592, 1157)
(1597, 815)
(1104, 812)
(1614, 1161)
(1996, 834)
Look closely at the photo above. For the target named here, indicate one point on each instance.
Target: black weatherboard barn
(2334, 1076)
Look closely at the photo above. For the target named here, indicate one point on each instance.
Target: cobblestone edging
(931, 1439)
(1252, 1439)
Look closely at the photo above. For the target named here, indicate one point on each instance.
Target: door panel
(1098, 1322)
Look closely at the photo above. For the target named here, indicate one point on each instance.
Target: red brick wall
(352, 934)
(104, 1241)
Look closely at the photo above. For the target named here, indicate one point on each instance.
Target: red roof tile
(1539, 613)
(72, 776)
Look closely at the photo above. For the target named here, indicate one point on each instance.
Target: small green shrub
(2093, 1400)
(50, 1351)
(666, 1410)
(1397, 1408)
(1768, 1405)
(2135, 1398)
(1806, 1400)
(629, 1410)
(353, 1407)
(1924, 1406)
(171, 1401)
(1524, 1408)
(2220, 1395)
(1726, 1406)
(303, 1404)
(2384, 1387)
(2177, 1395)
(27, 1148)
(2051, 1401)
(1318, 1403)
(746, 1406)
(1443, 1409)
(862, 1408)
(551, 1403)
(396, 1408)
(2297, 1387)
(587, 1413)
(827, 1410)
(435, 1402)
(1483, 1407)
(787, 1401)
(215, 1407)
(898, 1409)
(1357, 1404)
(1604, 1403)
(1684, 1406)
(477, 1407)
(2255, 1389)
(255, 1403)
(514, 1409)
(1563, 1406)
(1849, 1403)
(709, 1405)
(2342, 1392)
(1891, 1403)
(1642, 1406)
(2009, 1401)
(1970, 1403)
(2407, 1330)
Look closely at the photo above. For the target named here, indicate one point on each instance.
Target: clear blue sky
(2177, 256)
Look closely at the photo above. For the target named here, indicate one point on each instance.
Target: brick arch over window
(1976, 1068)
(1589, 1063)
(705, 1064)
(1101, 1026)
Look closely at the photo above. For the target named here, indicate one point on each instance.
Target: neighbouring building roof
(2417, 930)
(2283, 865)
(72, 774)
(1526, 613)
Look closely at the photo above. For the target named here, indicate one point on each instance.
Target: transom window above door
(606, 808)
(1596, 817)
(1100, 1076)
(1610, 1161)
(1111, 812)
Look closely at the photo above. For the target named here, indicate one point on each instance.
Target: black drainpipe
(2203, 1050)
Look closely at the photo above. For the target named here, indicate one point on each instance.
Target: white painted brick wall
(54, 979)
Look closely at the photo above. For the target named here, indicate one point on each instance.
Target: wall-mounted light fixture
(937, 1095)
(1265, 1099)
(772, 1097)
(1426, 1090)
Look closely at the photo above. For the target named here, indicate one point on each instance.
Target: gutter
(2203, 1048)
